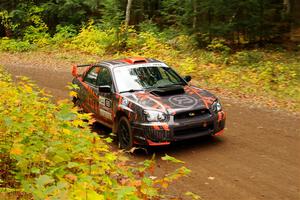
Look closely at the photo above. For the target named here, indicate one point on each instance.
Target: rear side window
(91, 76)
(104, 77)
(98, 76)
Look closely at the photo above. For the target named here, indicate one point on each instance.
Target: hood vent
(166, 91)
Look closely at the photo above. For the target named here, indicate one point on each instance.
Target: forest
(238, 49)
(238, 22)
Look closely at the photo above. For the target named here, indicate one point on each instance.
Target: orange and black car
(146, 102)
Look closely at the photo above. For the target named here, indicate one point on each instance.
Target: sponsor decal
(108, 103)
(183, 101)
(105, 114)
(105, 102)
(149, 65)
(101, 100)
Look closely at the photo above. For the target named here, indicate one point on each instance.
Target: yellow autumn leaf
(78, 123)
(27, 89)
(71, 177)
(165, 184)
(16, 151)
(73, 94)
(66, 131)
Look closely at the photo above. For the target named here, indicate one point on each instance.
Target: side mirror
(187, 78)
(105, 89)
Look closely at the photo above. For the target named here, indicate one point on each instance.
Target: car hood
(188, 98)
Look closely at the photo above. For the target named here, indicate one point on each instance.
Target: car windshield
(150, 77)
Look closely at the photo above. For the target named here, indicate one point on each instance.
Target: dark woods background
(238, 22)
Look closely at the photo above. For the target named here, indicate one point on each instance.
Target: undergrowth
(269, 73)
(48, 151)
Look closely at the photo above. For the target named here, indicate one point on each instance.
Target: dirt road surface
(258, 156)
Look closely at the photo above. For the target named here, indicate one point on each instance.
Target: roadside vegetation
(269, 76)
(210, 40)
(49, 152)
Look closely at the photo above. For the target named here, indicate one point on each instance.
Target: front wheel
(125, 140)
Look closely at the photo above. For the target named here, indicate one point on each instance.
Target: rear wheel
(76, 103)
(125, 140)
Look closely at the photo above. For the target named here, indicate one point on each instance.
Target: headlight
(155, 116)
(216, 106)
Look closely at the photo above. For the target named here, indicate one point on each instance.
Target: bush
(183, 43)
(94, 40)
(52, 153)
(63, 34)
(247, 58)
(218, 45)
(13, 45)
(37, 36)
(149, 26)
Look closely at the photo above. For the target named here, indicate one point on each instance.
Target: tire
(76, 103)
(125, 139)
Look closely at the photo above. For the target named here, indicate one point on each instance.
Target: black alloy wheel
(125, 140)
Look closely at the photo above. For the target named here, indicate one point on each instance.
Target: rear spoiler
(74, 69)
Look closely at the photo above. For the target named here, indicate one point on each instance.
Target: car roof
(129, 62)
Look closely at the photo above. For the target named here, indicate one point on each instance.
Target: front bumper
(156, 134)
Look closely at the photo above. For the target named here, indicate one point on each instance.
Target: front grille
(157, 135)
(191, 114)
(201, 129)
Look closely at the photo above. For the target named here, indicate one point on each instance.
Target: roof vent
(136, 60)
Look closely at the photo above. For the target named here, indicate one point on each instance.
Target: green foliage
(148, 26)
(6, 20)
(171, 159)
(174, 12)
(255, 72)
(183, 43)
(13, 45)
(36, 33)
(70, 12)
(63, 34)
(248, 58)
(112, 14)
(218, 45)
(250, 71)
(51, 152)
(37, 36)
(236, 21)
(94, 40)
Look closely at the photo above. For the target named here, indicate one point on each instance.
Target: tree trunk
(128, 9)
(194, 14)
(209, 24)
(287, 6)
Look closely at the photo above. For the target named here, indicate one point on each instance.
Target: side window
(104, 77)
(91, 76)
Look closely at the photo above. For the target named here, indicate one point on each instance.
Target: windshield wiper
(151, 89)
(164, 86)
(132, 90)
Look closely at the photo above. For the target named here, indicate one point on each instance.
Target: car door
(104, 79)
(90, 97)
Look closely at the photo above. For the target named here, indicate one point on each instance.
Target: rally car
(145, 102)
